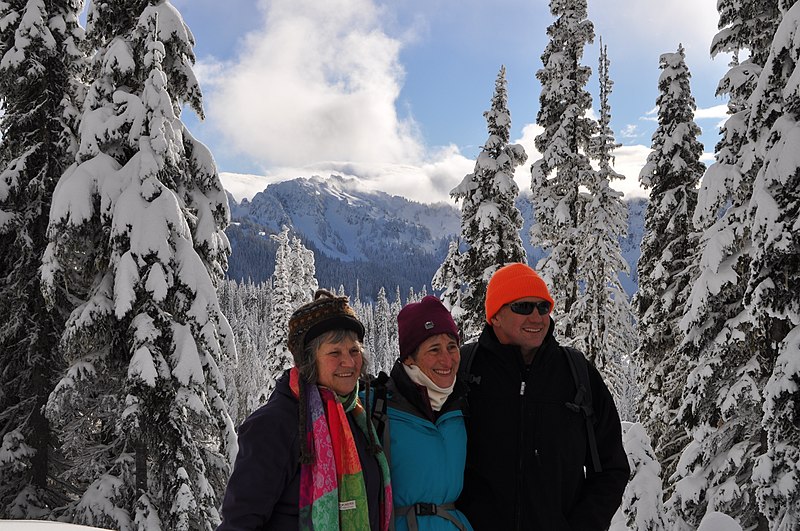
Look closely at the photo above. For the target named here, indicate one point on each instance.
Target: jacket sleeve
(602, 492)
(264, 466)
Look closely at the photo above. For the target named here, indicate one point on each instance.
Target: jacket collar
(417, 395)
(488, 339)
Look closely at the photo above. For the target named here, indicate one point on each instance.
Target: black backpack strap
(380, 417)
(465, 365)
(583, 399)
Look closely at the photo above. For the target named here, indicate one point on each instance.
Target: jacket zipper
(521, 471)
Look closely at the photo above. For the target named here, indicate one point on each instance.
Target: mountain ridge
(390, 241)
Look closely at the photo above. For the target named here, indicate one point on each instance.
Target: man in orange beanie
(544, 439)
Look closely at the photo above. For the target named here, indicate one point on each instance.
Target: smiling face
(438, 358)
(526, 331)
(339, 364)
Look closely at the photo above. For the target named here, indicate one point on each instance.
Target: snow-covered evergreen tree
(226, 295)
(564, 144)
(642, 506)
(302, 271)
(607, 342)
(366, 315)
(448, 280)
(412, 296)
(773, 291)
(41, 69)
(277, 357)
(383, 355)
(245, 379)
(722, 400)
(394, 339)
(293, 284)
(746, 25)
(490, 220)
(137, 243)
(666, 265)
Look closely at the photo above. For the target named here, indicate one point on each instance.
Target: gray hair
(309, 368)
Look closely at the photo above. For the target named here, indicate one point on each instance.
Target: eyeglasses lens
(527, 307)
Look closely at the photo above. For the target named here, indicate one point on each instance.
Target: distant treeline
(253, 259)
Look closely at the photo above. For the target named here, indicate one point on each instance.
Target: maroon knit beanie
(418, 321)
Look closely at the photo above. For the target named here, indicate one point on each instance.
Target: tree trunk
(141, 466)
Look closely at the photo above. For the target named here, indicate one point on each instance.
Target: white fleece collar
(437, 395)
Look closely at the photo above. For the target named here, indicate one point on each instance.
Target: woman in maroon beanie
(424, 434)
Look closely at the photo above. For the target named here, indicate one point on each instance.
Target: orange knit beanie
(513, 282)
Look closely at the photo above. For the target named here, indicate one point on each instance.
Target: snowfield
(39, 525)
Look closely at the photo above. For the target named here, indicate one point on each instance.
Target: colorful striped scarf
(332, 491)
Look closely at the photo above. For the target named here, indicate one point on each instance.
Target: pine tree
(773, 291)
(277, 357)
(745, 25)
(412, 296)
(607, 342)
(564, 143)
(490, 220)
(293, 284)
(722, 403)
(137, 242)
(383, 355)
(642, 503)
(41, 64)
(448, 280)
(228, 297)
(302, 272)
(666, 270)
(245, 379)
(394, 339)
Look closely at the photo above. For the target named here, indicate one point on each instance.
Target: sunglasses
(527, 307)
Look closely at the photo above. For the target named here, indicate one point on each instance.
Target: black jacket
(264, 489)
(528, 464)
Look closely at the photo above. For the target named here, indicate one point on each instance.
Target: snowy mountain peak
(377, 238)
(343, 220)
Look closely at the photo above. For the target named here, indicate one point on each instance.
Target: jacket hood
(282, 385)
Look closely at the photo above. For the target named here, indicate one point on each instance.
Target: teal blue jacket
(427, 450)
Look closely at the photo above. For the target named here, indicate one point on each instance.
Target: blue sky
(394, 91)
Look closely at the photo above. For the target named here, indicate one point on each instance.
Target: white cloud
(629, 131)
(431, 181)
(522, 175)
(426, 182)
(651, 115)
(655, 25)
(319, 81)
(629, 161)
(245, 186)
(717, 111)
(210, 72)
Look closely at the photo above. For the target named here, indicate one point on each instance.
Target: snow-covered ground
(37, 525)
(712, 522)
